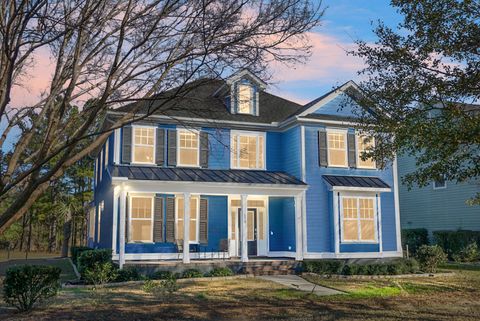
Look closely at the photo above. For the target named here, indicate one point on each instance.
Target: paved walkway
(296, 282)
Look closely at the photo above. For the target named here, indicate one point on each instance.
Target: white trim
(243, 229)
(121, 253)
(130, 219)
(302, 154)
(186, 227)
(281, 254)
(358, 219)
(100, 167)
(193, 131)
(397, 205)
(116, 146)
(304, 222)
(154, 144)
(344, 132)
(171, 256)
(360, 189)
(152, 186)
(107, 145)
(336, 223)
(114, 221)
(334, 94)
(379, 226)
(357, 152)
(298, 228)
(440, 187)
(197, 201)
(245, 72)
(351, 255)
(236, 134)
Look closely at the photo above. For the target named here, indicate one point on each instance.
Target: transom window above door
(143, 145)
(337, 148)
(188, 148)
(247, 150)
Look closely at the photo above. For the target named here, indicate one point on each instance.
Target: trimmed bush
(452, 242)
(163, 275)
(100, 273)
(430, 257)
(192, 273)
(324, 266)
(414, 238)
(26, 285)
(129, 273)
(468, 254)
(88, 259)
(220, 271)
(75, 252)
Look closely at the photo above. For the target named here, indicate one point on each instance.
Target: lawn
(63, 263)
(446, 298)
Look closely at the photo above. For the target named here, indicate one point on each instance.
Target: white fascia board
(153, 186)
(246, 72)
(359, 189)
(351, 255)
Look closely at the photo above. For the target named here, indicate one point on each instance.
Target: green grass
(63, 263)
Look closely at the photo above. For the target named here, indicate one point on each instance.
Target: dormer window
(245, 101)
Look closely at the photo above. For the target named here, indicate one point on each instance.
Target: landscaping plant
(468, 254)
(192, 273)
(220, 271)
(87, 259)
(26, 285)
(100, 273)
(430, 257)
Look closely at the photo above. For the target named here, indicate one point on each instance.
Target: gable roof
(198, 100)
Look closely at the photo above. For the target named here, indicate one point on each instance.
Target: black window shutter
(203, 228)
(204, 149)
(160, 151)
(170, 222)
(322, 148)
(127, 145)
(172, 148)
(158, 220)
(352, 154)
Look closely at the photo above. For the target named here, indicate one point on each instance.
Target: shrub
(468, 254)
(414, 238)
(430, 257)
(75, 252)
(163, 275)
(100, 273)
(452, 242)
(129, 273)
(324, 266)
(149, 286)
(192, 273)
(169, 286)
(88, 259)
(26, 285)
(220, 271)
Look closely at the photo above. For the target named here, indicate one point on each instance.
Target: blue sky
(344, 22)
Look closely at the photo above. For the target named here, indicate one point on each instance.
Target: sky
(344, 22)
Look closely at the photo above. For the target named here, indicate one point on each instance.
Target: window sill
(370, 168)
(188, 166)
(359, 242)
(338, 166)
(140, 163)
(247, 168)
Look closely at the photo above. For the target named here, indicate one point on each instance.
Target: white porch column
(379, 222)
(243, 230)
(186, 227)
(336, 223)
(115, 220)
(123, 213)
(298, 228)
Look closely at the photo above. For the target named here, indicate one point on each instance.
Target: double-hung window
(143, 145)
(188, 148)
(364, 144)
(245, 101)
(141, 218)
(194, 226)
(337, 148)
(248, 150)
(358, 219)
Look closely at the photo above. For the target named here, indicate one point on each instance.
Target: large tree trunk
(67, 229)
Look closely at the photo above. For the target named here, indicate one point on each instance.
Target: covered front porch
(167, 221)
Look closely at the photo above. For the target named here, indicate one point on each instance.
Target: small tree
(430, 257)
(27, 285)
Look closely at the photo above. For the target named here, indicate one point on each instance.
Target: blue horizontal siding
(281, 220)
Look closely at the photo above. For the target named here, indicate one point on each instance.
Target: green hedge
(394, 267)
(414, 238)
(75, 252)
(452, 242)
(87, 259)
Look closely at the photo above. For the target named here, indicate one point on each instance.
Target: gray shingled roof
(355, 181)
(204, 175)
(199, 101)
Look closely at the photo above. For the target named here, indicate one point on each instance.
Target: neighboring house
(232, 170)
(440, 206)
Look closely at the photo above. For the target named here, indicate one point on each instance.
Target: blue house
(230, 170)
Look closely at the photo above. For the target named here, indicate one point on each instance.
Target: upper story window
(141, 219)
(358, 219)
(188, 148)
(337, 148)
(248, 150)
(143, 145)
(364, 144)
(245, 99)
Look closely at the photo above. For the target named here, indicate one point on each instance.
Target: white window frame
(105, 165)
(197, 200)
(100, 167)
(359, 231)
(252, 107)
(444, 186)
(154, 144)
(357, 151)
(344, 132)
(238, 133)
(190, 131)
(96, 171)
(150, 196)
(101, 208)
